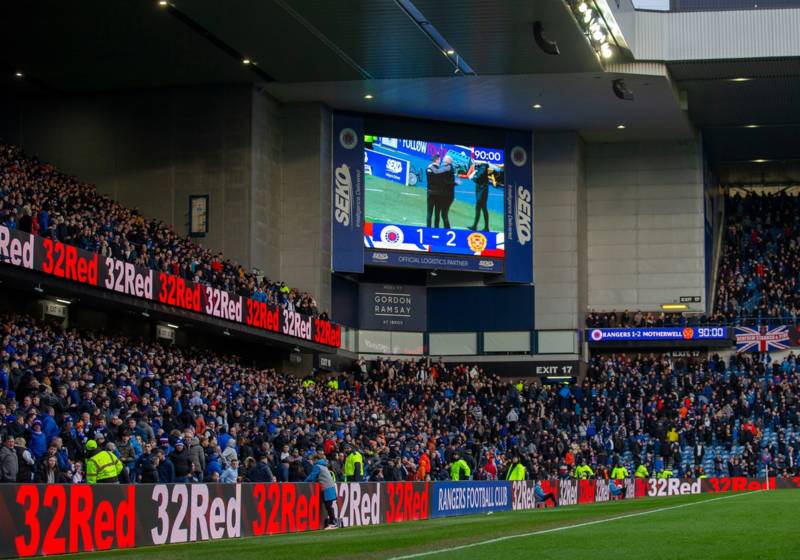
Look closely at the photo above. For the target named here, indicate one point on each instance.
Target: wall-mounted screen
(433, 197)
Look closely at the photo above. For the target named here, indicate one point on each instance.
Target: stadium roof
(681, 65)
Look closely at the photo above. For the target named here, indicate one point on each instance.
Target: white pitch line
(566, 527)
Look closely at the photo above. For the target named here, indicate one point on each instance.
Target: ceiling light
(587, 16)
(760, 160)
(226, 332)
(620, 126)
(64, 301)
(19, 75)
(451, 52)
(145, 314)
(537, 106)
(752, 125)
(163, 3)
(740, 79)
(245, 61)
(368, 96)
(582, 7)
(674, 306)
(172, 326)
(606, 51)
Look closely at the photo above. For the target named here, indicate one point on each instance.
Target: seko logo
(343, 195)
(523, 215)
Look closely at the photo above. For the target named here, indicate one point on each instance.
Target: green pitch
(387, 202)
(754, 525)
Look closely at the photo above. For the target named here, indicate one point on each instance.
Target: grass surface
(387, 202)
(756, 525)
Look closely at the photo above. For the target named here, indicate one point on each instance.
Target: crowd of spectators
(174, 414)
(37, 198)
(760, 263)
(641, 319)
(758, 270)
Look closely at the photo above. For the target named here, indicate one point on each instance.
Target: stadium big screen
(453, 202)
(433, 197)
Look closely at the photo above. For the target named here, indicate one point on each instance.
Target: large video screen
(433, 197)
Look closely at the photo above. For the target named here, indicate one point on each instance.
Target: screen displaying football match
(433, 197)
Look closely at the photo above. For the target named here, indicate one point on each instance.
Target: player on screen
(446, 185)
(481, 180)
(433, 179)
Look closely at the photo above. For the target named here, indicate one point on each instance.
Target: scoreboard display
(400, 201)
(433, 197)
(660, 336)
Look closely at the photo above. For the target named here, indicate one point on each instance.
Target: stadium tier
(37, 198)
(185, 415)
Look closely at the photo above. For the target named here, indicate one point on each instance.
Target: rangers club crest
(348, 138)
(519, 156)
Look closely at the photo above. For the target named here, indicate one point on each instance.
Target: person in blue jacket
(617, 490)
(320, 473)
(542, 496)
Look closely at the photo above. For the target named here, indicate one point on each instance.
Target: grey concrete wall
(265, 167)
(559, 230)
(306, 200)
(151, 150)
(645, 224)
(266, 184)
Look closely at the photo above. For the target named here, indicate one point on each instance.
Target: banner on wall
(392, 307)
(347, 194)
(762, 339)
(40, 519)
(519, 208)
(69, 263)
(461, 498)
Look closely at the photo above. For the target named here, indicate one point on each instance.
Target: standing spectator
(25, 461)
(49, 473)
(320, 473)
(164, 467)
(9, 466)
(181, 461)
(231, 472)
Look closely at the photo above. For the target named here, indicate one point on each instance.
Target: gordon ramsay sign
(71, 263)
(387, 307)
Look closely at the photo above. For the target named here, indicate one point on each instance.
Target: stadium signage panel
(277, 508)
(405, 501)
(39, 519)
(461, 498)
(522, 494)
(56, 259)
(426, 260)
(347, 193)
(191, 512)
(567, 492)
(392, 307)
(672, 487)
(519, 207)
(658, 334)
(358, 504)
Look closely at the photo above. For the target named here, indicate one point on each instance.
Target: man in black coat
(181, 460)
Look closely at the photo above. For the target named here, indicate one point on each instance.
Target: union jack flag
(762, 339)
